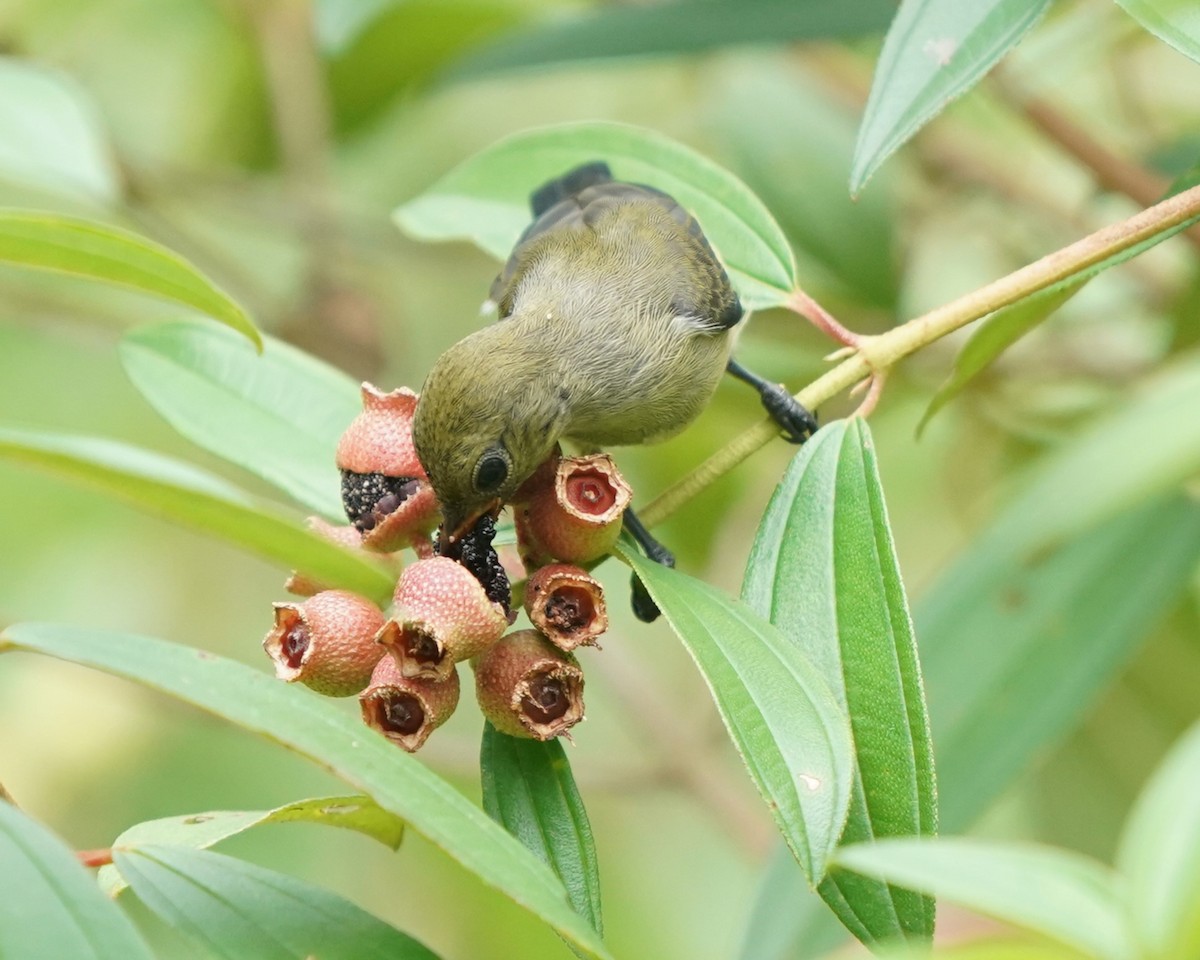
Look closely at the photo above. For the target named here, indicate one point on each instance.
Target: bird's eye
(491, 472)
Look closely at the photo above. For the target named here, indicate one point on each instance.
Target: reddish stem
(101, 857)
(822, 319)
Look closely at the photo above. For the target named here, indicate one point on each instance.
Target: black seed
(369, 497)
(424, 649)
(569, 608)
(402, 714)
(474, 551)
(387, 503)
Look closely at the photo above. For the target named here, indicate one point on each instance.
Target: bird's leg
(797, 423)
(851, 342)
(644, 607)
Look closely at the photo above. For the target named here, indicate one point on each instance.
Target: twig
(881, 352)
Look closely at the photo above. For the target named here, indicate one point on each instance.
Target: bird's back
(618, 279)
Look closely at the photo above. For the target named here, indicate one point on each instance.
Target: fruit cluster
(446, 609)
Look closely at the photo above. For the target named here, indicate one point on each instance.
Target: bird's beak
(459, 525)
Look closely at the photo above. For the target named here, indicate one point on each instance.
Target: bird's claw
(793, 418)
(644, 607)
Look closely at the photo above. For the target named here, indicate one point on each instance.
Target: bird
(615, 322)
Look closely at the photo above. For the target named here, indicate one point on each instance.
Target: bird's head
(489, 413)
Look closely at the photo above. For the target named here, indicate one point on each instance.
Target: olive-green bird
(616, 322)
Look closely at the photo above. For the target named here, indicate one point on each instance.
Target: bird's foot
(792, 416)
(644, 607)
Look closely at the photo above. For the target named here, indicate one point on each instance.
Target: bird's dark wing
(579, 199)
(569, 185)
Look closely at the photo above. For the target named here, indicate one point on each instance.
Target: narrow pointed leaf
(934, 51)
(1015, 652)
(189, 496)
(279, 414)
(320, 730)
(529, 790)
(1176, 22)
(96, 251)
(51, 907)
(678, 27)
(992, 337)
(1015, 647)
(824, 571)
(486, 198)
(241, 911)
(1065, 896)
(1159, 856)
(1006, 326)
(199, 831)
(784, 721)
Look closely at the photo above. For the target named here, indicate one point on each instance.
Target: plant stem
(878, 353)
(95, 858)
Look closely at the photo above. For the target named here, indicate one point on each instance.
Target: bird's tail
(570, 183)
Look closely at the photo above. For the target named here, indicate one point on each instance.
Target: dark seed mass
(569, 609)
(423, 648)
(474, 551)
(402, 714)
(369, 497)
(294, 644)
(546, 700)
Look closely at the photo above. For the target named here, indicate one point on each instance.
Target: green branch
(881, 352)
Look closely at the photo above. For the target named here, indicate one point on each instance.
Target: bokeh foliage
(269, 142)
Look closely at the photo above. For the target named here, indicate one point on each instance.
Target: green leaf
(674, 28)
(84, 248)
(320, 730)
(486, 198)
(1078, 486)
(1176, 22)
(993, 336)
(51, 906)
(528, 789)
(241, 911)
(51, 136)
(279, 414)
(934, 51)
(180, 492)
(1015, 647)
(403, 44)
(785, 723)
(824, 571)
(1065, 896)
(1159, 856)
(1006, 326)
(199, 831)
(1015, 650)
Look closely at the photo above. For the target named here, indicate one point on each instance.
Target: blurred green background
(268, 142)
